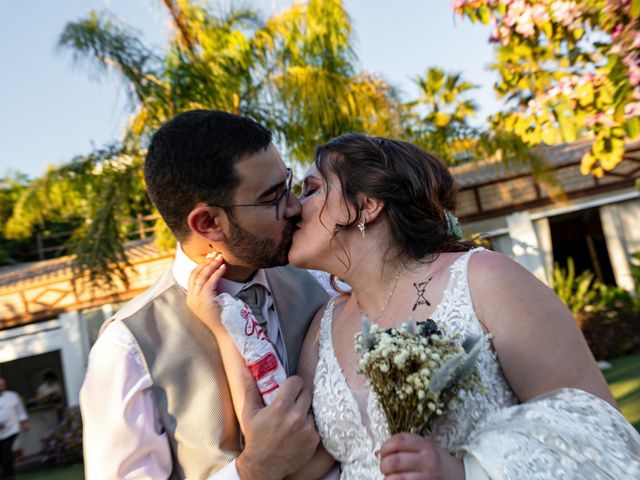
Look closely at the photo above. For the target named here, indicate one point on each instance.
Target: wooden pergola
(490, 189)
(42, 290)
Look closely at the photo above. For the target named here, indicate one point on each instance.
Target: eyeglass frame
(274, 203)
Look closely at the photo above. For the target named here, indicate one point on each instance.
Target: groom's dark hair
(192, 158)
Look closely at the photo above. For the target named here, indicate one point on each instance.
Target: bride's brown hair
(415, 187)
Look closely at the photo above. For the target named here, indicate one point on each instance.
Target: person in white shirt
(12, 417)
(49, 391)
(155, 401)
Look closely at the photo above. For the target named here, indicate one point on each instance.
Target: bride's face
(322, 208)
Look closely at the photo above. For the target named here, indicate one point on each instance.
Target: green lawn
(624, 379)
(74, 472)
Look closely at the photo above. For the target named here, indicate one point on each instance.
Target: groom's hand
(280, 438)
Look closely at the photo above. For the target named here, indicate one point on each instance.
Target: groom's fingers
(288, 392)
(303, 402)
(252, 398)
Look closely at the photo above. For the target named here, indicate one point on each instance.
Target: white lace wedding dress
(567, 434)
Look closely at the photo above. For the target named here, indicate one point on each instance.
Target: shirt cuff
(229, 472)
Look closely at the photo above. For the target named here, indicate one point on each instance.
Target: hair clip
(453, 225)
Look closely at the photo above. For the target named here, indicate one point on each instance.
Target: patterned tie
(254, 296)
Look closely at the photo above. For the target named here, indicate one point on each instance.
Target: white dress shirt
(47, 389)
(12, 412)
(124, 438)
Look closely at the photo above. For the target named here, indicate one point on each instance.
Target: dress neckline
(328, 320)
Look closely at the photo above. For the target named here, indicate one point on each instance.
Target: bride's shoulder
(498, 282)
(493, 275)
(489, 265)
(333, 306)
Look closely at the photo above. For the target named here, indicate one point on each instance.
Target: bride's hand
(406, 455)
(203, 285)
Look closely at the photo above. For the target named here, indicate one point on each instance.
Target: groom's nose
(294, 207)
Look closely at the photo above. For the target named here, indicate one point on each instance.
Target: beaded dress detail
(350, 422)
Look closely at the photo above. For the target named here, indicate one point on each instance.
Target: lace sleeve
(567, 433)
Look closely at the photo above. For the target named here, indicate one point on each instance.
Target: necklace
(375, 320)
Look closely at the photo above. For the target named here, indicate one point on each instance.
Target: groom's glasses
(276, 202)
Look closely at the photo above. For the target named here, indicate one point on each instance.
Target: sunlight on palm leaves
(439, 121)
(295, 72)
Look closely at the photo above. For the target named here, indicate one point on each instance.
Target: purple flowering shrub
(64, 445)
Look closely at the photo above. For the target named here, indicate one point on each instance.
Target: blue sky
(51, 110)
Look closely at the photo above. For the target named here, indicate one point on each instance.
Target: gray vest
(189, 385)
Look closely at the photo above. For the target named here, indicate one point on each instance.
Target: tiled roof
(475, 173)
(58, 268)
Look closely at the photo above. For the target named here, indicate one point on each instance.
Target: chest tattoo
(421, 288)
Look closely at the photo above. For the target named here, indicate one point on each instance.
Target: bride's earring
(361, 227)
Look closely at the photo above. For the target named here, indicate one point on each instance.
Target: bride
(377, 213)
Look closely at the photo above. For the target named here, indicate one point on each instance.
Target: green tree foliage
(295, 72)
(568, 69)
(439, 120)
(95, 196)
(11, 189)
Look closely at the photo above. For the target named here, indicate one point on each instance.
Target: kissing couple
(167, 395)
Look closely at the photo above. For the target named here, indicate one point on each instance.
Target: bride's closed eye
(307, 192)
(310, 187)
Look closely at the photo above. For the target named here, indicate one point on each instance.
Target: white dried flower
(411, 373)
(401, 359)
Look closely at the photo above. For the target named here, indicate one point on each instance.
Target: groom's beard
(258, 251)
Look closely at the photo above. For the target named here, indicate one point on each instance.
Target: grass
(74, 472)
(623, 378)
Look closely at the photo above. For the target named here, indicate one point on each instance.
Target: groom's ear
(370, 208)
(208, 222)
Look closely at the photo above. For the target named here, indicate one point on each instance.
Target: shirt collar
(183, 266)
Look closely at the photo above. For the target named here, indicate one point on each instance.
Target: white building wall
(63, 334)
(73, 354)
(525, 248)
(621, 226)
(528, 235)
(543, 234)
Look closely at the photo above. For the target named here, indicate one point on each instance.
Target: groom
(155, 401)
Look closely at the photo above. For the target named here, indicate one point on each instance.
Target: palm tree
(439, 120)
(295, 73)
